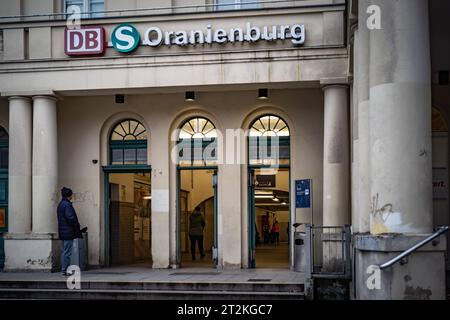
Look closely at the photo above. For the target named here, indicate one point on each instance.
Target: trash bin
(80, 252)
(299, 252)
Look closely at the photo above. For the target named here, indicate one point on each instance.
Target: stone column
(336, 175)
(162, 246)
(20, 192)
(34, 171)
(20, 142)
(400, 158)
(400, 120)
(45, 165)
(361, 216)
(355, 135)
(229, 216)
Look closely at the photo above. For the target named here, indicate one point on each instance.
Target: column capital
(326, 83)
(30, 93)
(16, 97)
(48, 97)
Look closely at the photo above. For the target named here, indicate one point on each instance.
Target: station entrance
(197, 236)
(129, 218)
(269, 226)
(198, 218)
(269, 218)
(128, 197)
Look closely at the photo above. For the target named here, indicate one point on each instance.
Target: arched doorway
(128, 195)
(269, 192)
(4, 163)
(197, 241)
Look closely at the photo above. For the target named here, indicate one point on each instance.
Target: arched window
(197, 142)
(269, 141)
(128, 143)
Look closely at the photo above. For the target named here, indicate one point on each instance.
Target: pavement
(141, 273)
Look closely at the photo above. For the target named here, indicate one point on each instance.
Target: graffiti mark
(40, 262)
(380, 215)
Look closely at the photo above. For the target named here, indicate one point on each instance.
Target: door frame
(251, 212)
(4, 204)
(178, 233)
(107, 170)
(4, 175)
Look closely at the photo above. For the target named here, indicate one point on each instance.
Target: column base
(32, 252)
(422, 277)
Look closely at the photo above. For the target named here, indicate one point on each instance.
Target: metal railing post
(309, 285)
(348, 257)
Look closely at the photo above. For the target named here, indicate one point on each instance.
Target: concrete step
(97, 294)
(29, 289)
(158, 285)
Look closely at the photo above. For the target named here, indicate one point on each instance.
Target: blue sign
(303, 193)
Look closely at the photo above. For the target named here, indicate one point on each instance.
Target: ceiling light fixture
(260, 196)
(190, 96)
(263, 94)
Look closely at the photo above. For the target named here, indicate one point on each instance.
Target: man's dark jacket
(68, 225)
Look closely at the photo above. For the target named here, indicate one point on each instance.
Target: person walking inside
(68, 228)
(196, 227)
(276, 232)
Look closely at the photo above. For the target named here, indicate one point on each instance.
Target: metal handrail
(406, 253)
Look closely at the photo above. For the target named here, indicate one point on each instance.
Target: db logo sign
(84, 41)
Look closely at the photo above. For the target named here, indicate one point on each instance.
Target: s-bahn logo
(89, 40)
(125, 38)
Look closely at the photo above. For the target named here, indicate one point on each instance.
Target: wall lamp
(263, 94)
(190, 96)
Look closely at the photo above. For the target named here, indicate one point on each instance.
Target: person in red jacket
(276, 232)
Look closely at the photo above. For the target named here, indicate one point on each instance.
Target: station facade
(150, 110)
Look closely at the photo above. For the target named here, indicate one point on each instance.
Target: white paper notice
(160, 200)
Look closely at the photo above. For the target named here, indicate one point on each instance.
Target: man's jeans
(66, 252)
(199, 240)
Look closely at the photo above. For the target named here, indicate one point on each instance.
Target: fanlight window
(269, 126)
(269, 141)
(197, 142)
(129, 130)
(128, 143)
(198, 128)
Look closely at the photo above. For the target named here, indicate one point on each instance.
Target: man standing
(196, 226)
(276, 232)
(68, 228)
